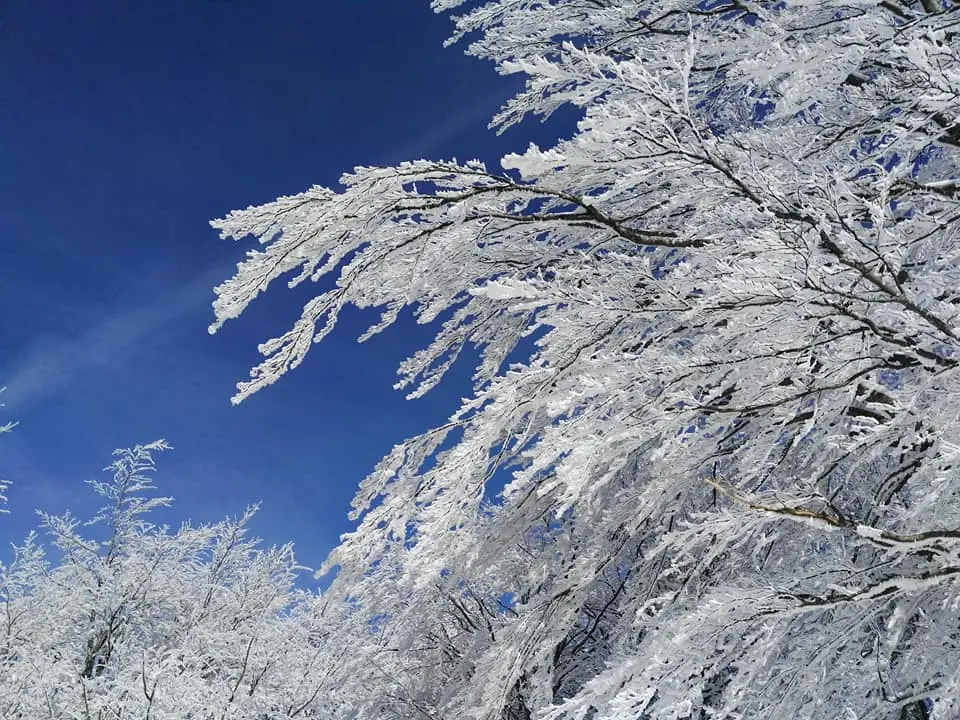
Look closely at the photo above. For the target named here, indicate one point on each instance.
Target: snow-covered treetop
(201, 622)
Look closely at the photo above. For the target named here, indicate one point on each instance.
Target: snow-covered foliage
(733, 446)
(140, 621)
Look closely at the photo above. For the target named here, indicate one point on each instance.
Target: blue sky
(124, 128)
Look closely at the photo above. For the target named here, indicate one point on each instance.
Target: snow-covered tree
(136, 620)
(718, 332)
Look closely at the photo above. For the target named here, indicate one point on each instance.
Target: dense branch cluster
(133, 620)
(731, 436)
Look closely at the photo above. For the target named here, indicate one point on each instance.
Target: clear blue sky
(125, 127)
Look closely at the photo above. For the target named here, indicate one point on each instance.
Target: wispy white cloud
(477, 112)
(52, 364)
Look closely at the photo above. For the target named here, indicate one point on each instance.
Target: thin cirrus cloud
(466, 119)
(51, 367)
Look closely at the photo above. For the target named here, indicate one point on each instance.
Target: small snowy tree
(140, 621)
(733, 431)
